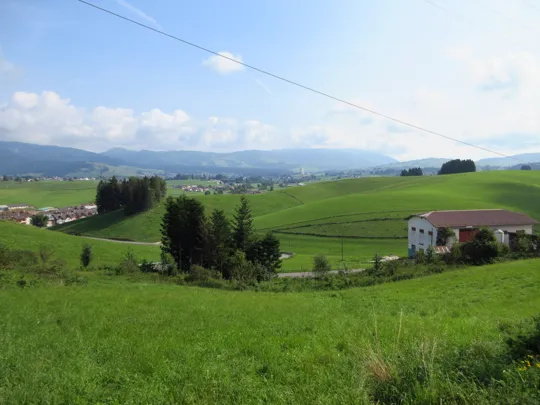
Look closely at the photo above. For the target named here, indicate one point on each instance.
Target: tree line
(229, 247)
(414, 171)
(458, 166)
(133, 195)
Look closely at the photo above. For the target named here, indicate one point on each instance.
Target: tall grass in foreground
(440, 339)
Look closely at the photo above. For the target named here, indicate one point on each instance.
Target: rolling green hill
(370, 212)
(47, 193)
(68, 247)
(435, 339)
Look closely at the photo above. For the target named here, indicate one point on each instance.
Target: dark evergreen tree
(526, 167)
(266, 252)
(219, 243)
(414, 171)
(40, 220)
(458, 166)
(243, 226)
(134, 194)
(183, 231)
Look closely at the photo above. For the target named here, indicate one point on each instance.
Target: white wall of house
(421, 234)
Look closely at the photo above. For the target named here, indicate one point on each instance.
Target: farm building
(424, 230)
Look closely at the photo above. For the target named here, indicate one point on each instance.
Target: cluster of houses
(193, 188)
(22, 213)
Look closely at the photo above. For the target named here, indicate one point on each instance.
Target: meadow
(67, 247)
(424, 341)
(42, 194)
(357, 208)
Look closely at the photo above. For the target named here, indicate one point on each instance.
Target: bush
(321, 266)
(39, 220)
(128, 264)
(483, 249)
(199, 273)
(243, 271)
(420, 257)
(431, 256)
(86, 255)
(523, 338)
(168, 265)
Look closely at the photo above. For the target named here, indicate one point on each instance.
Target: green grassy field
(48, 193)
(67, 247)
(117, 342)
(332, 208)
(145, 227)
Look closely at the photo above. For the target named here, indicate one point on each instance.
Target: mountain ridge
(19, 158)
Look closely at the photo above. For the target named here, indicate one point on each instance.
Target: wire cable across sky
(388, 117)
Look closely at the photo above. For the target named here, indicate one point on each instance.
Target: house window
(430, 233)
(413, 229)
(421, 231)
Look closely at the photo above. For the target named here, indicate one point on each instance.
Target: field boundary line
(338, 216)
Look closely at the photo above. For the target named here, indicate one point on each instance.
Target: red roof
(455, 219)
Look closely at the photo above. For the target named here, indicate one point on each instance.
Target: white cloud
(137, 11)
(224, 64)
(47, 118)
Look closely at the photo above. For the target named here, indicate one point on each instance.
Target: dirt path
(310, 274)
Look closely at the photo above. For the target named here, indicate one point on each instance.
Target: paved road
(129, 242)
(310, 274)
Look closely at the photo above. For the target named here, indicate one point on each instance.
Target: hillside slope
(355, 218)
(67, 247)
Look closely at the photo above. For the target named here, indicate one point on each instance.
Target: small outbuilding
(431, 228)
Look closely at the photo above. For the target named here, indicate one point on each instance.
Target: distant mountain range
(22, 158)
(423, 163)
(510, 161)
(17, 158)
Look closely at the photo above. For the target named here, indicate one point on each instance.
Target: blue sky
(71, 75)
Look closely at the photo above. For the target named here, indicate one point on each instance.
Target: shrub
(86, 255)
(430, 254)
(420, 257)
(377, 263)
(147, 266)
(39, 220)
(128, 264)
(321, 266)
(444, 235)
(242, 270)
(45, 253)
(199, 273)
(168, 265)
(523, 338)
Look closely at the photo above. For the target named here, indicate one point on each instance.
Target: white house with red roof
(423, 228)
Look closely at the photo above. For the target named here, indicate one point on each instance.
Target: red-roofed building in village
(423, 228)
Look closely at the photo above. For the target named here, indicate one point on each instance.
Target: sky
(71, 75)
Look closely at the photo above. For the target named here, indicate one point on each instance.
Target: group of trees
(414, 171)
(231, 248)
(40, 220)
(133, 194)
(458, 166)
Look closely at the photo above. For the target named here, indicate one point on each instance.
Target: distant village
(22, 213)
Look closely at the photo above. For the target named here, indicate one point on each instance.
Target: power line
(428, 131)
